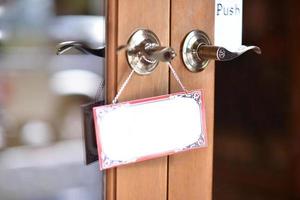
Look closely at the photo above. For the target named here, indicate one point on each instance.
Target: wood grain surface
(146, 180)
(111, 78)
(186, 175)
(190, 173)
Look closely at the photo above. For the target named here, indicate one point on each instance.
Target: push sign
(228, 23)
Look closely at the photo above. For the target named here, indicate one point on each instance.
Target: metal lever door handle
(222, 54)
(66, 46)
(162, 54)
(144, 52)
(197, 51)
(151, 54)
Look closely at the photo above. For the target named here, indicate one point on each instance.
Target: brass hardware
(144, 52)
(66, 46)
(197, 51)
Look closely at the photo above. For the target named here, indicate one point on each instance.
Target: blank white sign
(139, 130)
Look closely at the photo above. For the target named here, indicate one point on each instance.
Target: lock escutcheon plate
(137, 57)
(190, 48)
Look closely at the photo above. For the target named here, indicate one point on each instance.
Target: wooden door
(185, 175)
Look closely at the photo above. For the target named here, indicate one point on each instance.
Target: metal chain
(122, 87)
(115, 100)
(177, 77)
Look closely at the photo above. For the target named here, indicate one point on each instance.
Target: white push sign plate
(228, 23)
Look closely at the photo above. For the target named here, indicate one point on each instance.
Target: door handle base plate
(190, 56)
(137, 57)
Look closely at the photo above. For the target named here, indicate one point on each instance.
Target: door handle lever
(197, 51)
(222, 54)
(68, 45)
(162, 54)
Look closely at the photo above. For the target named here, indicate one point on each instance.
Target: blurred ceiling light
(79, 28)
(2, 137)
(2, 10)
(37, 133)
(2, 35)
(75, 82)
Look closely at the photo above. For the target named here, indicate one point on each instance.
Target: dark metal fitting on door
(144, 52)
(197, 51)
(66, 46)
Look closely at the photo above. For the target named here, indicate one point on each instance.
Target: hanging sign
(228, 24)
(148, 128)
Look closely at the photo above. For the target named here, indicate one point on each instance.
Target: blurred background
(41, 148)
(257, 107)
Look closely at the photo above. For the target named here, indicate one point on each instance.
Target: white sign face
(143, 129)
(228, 23)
